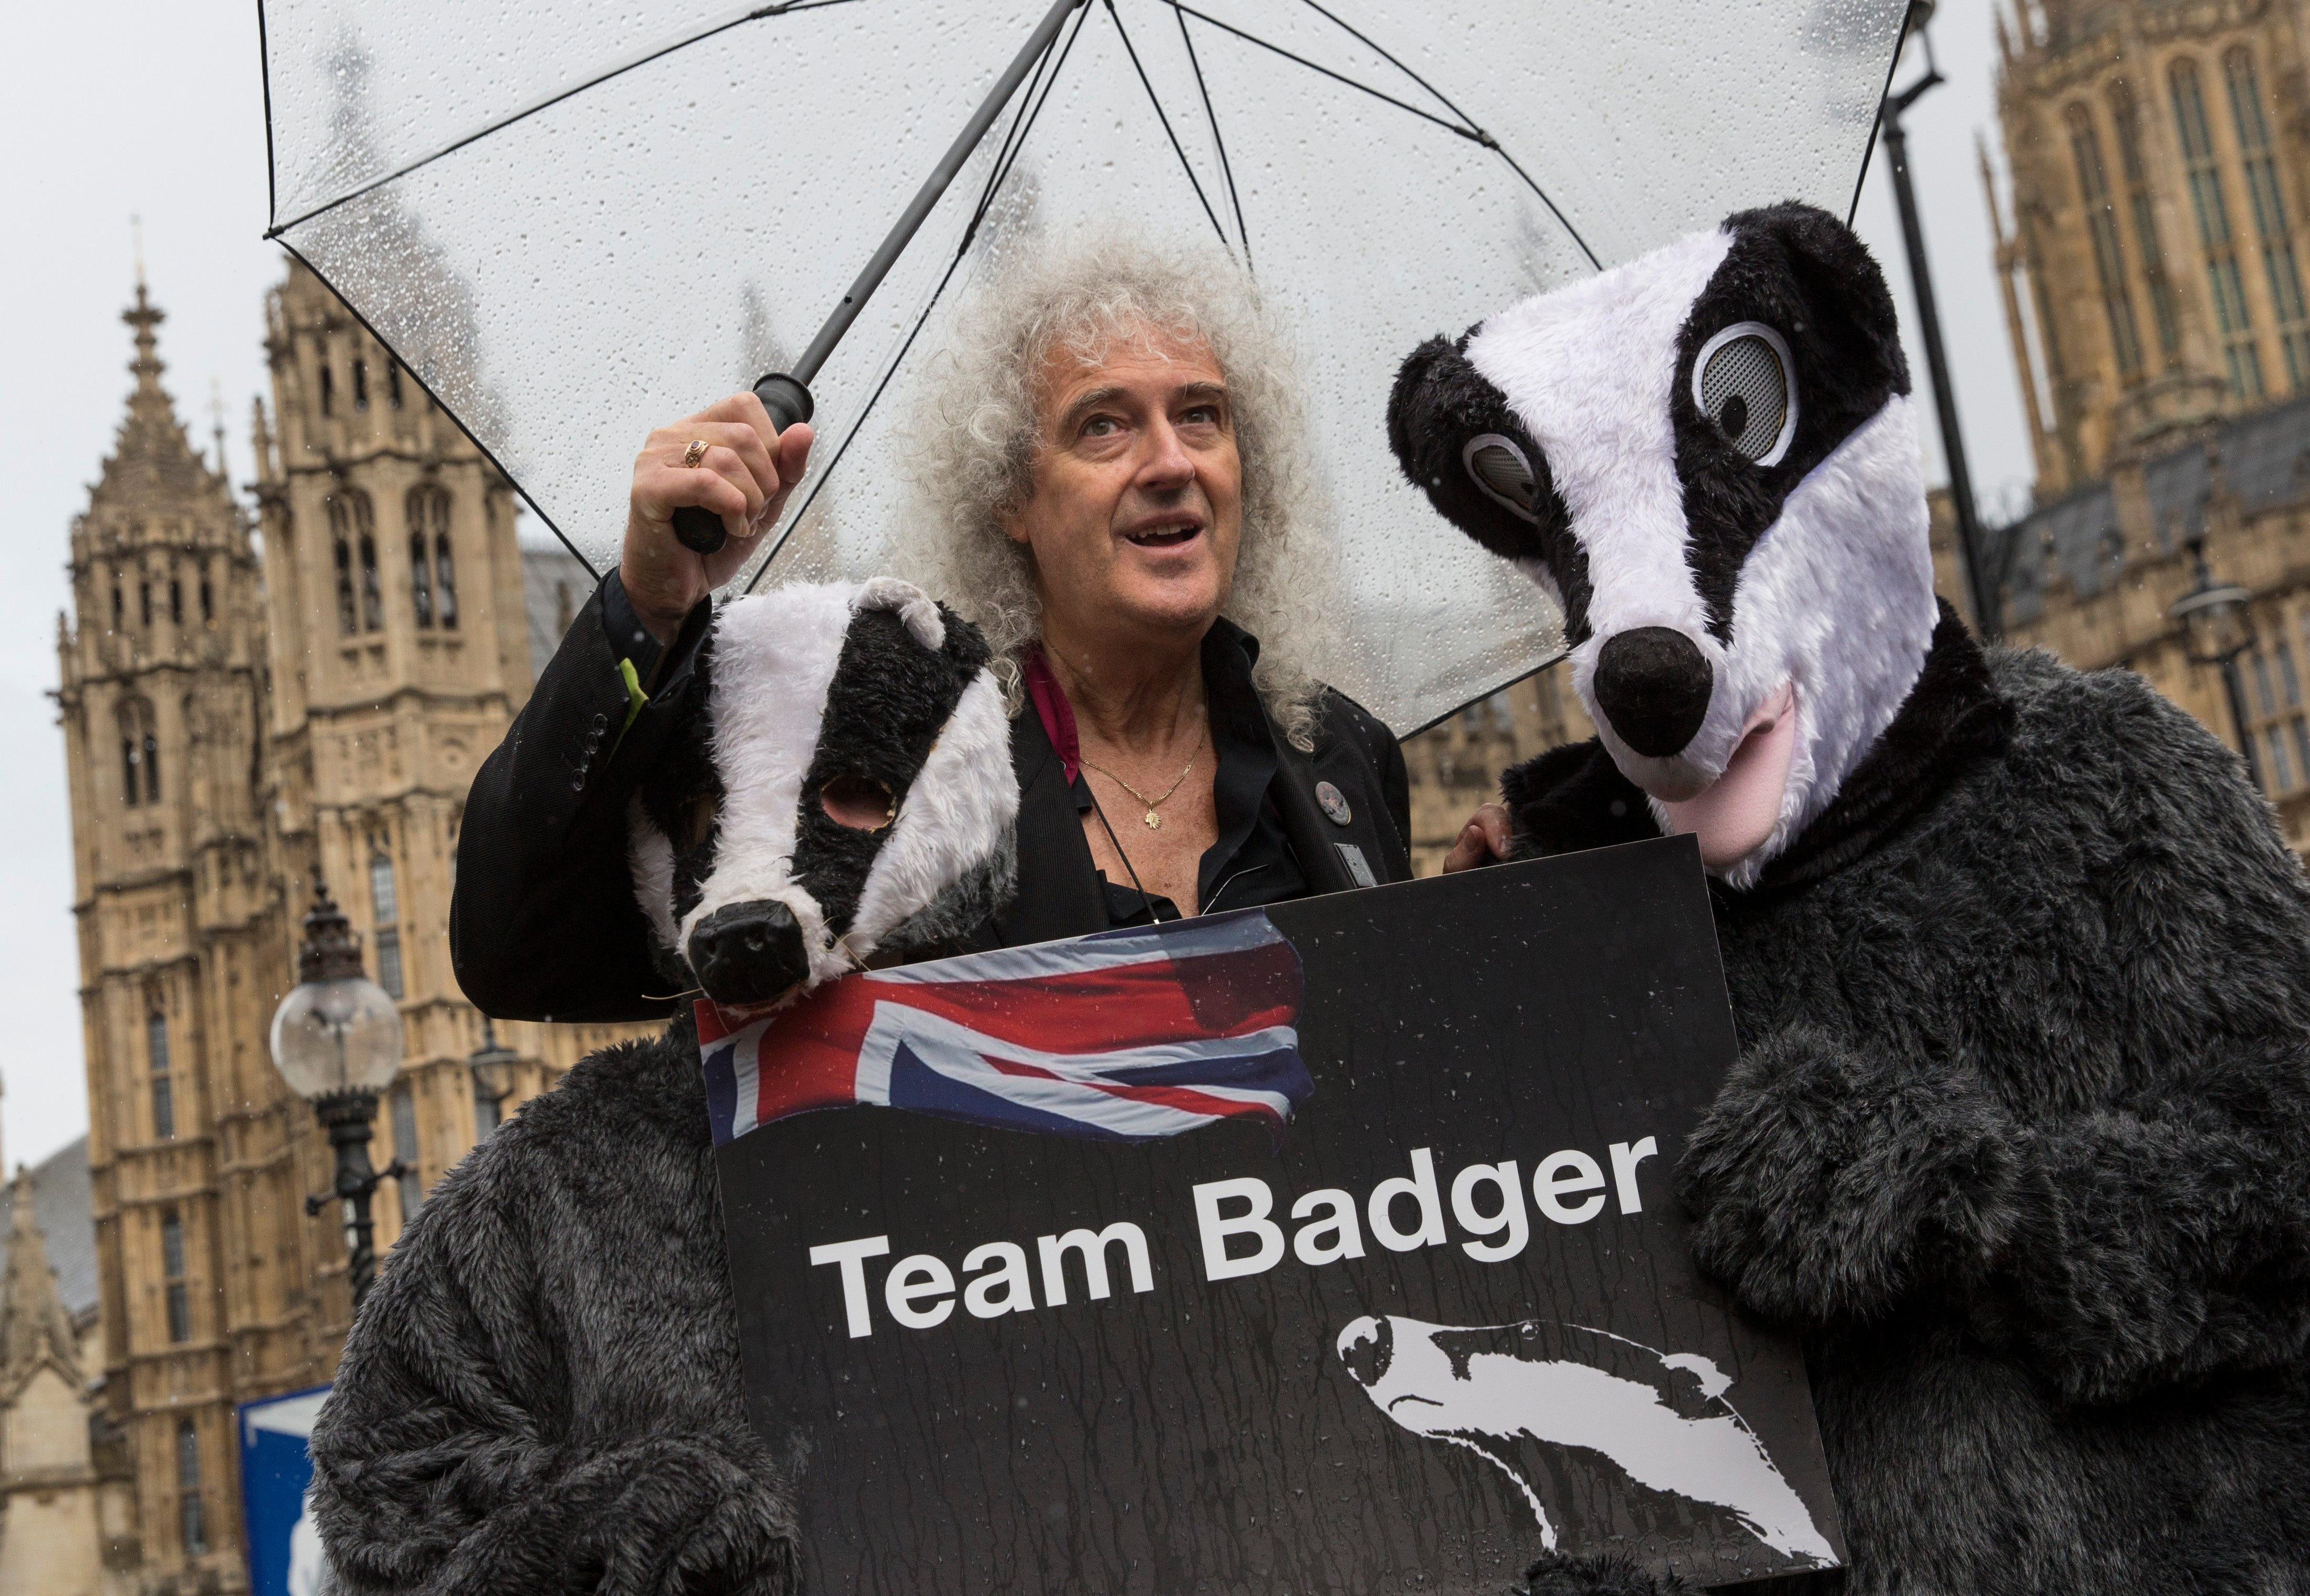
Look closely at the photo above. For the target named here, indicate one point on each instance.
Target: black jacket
(544, 923)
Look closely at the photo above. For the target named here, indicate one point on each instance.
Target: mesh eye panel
(1499, 468)
(1749, 369)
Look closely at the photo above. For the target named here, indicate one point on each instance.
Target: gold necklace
(1154, 822)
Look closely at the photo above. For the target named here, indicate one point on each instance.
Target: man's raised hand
(743, 475)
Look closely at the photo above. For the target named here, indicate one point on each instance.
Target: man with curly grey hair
(1113, 486)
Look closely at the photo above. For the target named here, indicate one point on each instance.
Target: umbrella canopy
(573, 225)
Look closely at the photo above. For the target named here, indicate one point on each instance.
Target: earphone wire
(1146, 901)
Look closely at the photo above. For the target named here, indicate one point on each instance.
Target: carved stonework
(234, 724)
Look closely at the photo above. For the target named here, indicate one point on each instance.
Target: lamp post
(1987, 605)
(336, 1041)
(492, 1065)
(2217, 622)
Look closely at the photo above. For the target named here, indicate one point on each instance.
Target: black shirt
(1251, 862)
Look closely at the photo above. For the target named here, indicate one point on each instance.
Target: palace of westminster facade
(239, 724)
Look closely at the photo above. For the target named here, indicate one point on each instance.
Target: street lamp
(2217, 622)
(492, 1065)
(336, 1041)
(1987, 604)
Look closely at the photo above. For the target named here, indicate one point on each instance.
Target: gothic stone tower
(235, 730)
(400, 649)
(2156, 262)
(203, 1267)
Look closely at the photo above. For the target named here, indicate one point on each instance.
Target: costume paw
(1560, 1574)
(1827, 1185)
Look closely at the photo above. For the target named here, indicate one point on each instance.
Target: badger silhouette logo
(1632, 1441)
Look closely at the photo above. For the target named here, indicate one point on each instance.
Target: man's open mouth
(1169, 535)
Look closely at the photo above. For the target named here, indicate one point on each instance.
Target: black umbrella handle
(789, 402)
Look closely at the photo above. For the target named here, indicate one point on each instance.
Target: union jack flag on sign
(1128, 1035)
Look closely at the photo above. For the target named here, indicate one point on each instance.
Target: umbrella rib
(1472, 135)
(551, 100)
(1212, 116)
(1186, 165)
(857, 427)
(1486, 139)
(1030, 108)
(1012, 145)
(438, 404)
(272, 161)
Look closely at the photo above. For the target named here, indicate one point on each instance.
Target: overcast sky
(156, 109)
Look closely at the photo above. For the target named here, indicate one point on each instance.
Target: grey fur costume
(542, 1393)
(2019, 1139)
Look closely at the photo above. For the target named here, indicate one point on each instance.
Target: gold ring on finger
(692, 456)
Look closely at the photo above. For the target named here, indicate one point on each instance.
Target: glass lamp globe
(2217, 624)
(336, 1031)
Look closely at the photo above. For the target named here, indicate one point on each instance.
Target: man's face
(1136, 508)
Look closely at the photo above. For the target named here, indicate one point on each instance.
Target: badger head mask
(1707, 456)
(844, 789)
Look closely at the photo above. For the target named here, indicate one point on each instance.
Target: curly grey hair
(976, 440)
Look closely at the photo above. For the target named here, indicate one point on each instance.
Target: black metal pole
(1987, 607)
(786, 395)
(348, 1117)
(2235, 685)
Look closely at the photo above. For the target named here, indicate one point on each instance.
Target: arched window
(373, 589)
(421, 555)
(2125, 116)
(2109, 256)
(393, 382)
(429, 532)
(360, 385)
(119, 610)
(208, 597)
(2214, 236)
(341, 540)
(144, 601)
(172, 1271)
(164, 1092)
(140, 754)
(190, 1522)
(385, 908)
(2251, 120)
(328, 386)
(445, 576)
(176, 601)
(420, 581)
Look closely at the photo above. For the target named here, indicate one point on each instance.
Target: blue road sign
(284, 1549)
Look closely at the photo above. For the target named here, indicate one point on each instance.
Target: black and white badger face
(846, 791)
(1707, 456)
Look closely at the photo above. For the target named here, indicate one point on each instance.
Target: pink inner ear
(1738, 812)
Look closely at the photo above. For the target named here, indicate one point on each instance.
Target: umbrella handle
(789, 402)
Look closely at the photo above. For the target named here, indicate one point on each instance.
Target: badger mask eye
(860, 802)
(1744, 381)
(1501, 474)
(698, 816)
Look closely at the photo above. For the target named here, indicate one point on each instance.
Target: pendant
(1154, 822)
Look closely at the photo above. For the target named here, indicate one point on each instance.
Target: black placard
(1399, 1420)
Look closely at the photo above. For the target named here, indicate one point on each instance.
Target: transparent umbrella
(573, 224)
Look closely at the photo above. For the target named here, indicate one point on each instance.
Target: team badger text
(1241, 1233)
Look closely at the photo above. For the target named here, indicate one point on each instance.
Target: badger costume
(542, 1393)
(2019, 1136)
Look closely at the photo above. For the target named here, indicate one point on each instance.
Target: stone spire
(152, 452)
(34, 1328)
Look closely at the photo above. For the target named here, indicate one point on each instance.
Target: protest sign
(1312, 1249)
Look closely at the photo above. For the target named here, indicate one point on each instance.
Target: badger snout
(749, 953)
(1654, 684)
